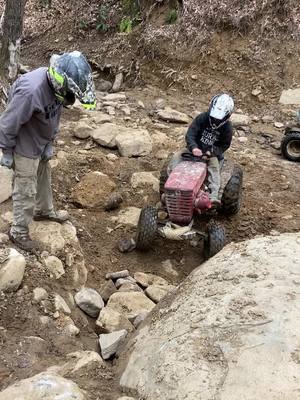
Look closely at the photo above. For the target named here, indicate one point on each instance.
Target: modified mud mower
(184, 196)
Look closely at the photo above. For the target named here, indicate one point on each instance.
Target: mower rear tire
(146, 228)
(232, 194)
(290, 146)
(215, 240)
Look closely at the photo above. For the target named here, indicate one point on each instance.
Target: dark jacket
(32, 115)
(201, 135)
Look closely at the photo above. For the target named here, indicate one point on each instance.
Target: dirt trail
(271, 203)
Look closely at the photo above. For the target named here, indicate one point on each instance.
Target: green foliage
(131, 7)
(172, 17)
(126, 25)
(102, 19)
(82, 24)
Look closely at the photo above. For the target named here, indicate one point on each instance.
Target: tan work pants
(214, 172)
(32, 192)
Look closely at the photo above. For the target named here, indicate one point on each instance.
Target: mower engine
(184, 192)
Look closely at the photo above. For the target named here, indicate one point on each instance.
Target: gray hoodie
(32, 115)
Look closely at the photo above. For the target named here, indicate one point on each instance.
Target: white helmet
(220, 109)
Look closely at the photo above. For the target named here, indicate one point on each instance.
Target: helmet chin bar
(217, 126)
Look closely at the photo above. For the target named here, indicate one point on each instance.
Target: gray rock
(240, 120)
(118, 274)
(130, 304)
(101, 118)
(4, 238)
(61, 305)
(6, 179)
(82, 362)
(140, 318)
(112, 157)
(107, 289)
(130, 287)
(126, 398)
(12, 268)
(146, 280)
(134, 142)
(105, 134)
(53, 236)
(160, 104)
(110, 342)
(39, 294)
(82, 130)
(128, 216)
(110, 320)
(256, 92)
(117, 83)
(144, 179)
(170, 115)
(279, 125)
(90, 301)
(267, 119)
(121, 281)
(54, 266)
(46, 386)
(103, 85)
(68, 326)
(114, 97)
(229, 333)
(291, 96)
(156, 293)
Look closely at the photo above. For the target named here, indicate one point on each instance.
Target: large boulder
(6, 179)
(230, 331)
(93, 190)
(12, 268)
(46, 386)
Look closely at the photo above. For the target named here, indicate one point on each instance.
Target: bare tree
(11, 27)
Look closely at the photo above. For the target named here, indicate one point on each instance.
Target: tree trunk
(12, 28)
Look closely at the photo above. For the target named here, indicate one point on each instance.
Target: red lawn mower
(185, 195)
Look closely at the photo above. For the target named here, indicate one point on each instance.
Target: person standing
(28, 128)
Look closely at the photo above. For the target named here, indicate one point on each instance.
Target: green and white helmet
(71, 77)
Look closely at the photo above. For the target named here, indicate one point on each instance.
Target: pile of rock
(110, 102)
(128, 302)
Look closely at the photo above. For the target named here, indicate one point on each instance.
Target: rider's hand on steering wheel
(197, 152)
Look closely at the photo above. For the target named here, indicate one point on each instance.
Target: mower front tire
(232, 194)
(146, 228)
(215, 240)
(163, 178)
(290, 146)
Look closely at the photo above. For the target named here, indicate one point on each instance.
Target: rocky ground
(63, 308)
